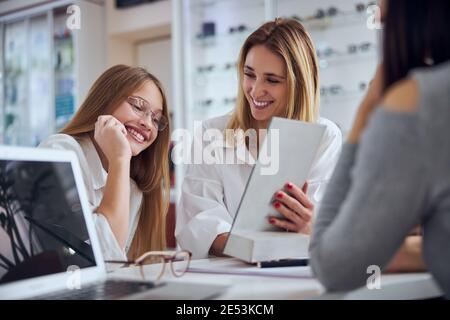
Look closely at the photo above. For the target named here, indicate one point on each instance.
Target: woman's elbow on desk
(335, 275)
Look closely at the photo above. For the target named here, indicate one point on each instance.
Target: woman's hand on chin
(111, 136)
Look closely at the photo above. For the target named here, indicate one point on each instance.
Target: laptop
(48, 244)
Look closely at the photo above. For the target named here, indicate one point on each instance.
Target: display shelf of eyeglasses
(338, 92)
(235, 35)
(343, 96)
(220, 103)
(333, 17)
(355, 52)
(348, 19)
(202, 84)
(202, 5)
(225, 69)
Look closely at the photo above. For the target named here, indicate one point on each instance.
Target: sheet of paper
(237, 267)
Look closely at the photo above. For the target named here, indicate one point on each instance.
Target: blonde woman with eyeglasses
(121, 136)
(278, 76)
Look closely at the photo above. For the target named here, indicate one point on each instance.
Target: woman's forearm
(219, 244)
(409, 257)
(373, 213)
(115, 205)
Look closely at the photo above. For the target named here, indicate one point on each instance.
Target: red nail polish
(290, 185)
(272, 221)
(277, 205)
(279, 195)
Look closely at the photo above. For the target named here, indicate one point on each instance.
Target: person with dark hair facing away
(393, 173)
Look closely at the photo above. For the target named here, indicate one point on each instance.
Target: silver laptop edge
(43, 285)
(46, 284)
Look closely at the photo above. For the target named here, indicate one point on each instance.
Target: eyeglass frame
(165, 255)
(363, 47)
(207, 68)
(146, 105)
(332, 90)
(237, 29)
(206, 102)
(330, 12)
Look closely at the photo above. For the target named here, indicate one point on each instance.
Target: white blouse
(94, 176)
(211, 193)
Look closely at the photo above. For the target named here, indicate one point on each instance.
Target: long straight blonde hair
(149, 169)
(288, 39)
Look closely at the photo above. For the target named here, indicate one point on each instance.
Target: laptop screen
(42, 228)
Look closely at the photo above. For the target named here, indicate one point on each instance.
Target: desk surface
(249, 282)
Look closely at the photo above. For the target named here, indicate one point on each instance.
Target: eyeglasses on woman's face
(143, 110)
(178, 261)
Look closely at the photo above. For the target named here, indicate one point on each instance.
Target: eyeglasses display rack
(213, 32)
(46, 68)
(347, 43)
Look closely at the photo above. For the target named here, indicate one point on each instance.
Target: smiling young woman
(121, 136)
(278, 75)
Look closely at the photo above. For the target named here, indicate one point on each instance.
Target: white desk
(288, 283)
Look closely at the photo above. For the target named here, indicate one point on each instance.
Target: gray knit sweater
(397, 178)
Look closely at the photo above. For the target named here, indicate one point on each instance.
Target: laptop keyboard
(109, 289)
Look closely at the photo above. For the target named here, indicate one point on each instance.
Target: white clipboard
(298, 145)
(294, 145)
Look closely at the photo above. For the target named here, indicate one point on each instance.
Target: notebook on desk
(49, 248)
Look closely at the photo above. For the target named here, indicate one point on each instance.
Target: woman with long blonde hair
(278, 76)
(121, 136)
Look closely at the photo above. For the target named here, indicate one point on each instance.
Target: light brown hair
(288, 39)
(149, 169)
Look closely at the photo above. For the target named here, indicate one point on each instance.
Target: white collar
(98, 173)
(242, 153)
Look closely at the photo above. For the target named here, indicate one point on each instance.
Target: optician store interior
(47, 68)
(51, 52)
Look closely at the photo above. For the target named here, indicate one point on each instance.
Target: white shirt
(94, 176)
(211, 193)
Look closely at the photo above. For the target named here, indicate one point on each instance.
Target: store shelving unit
(46, 68)
(347, 48)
